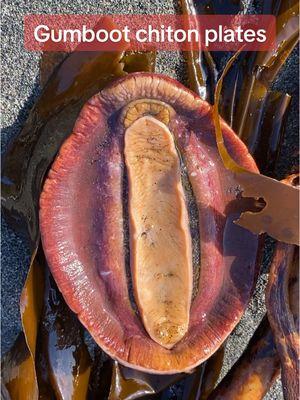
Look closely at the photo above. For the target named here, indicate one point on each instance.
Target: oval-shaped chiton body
(137, 222)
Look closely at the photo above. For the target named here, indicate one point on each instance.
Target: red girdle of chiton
(86, 216)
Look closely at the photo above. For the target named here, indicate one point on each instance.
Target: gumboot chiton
(160, 248)
(121, 184)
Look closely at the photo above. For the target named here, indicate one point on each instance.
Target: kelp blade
(135, 61)
(283, 317)
(257, 71)
(282, 299)
(18, 373)
(254, 373)
(101, 376)
(266, 151)
(48, 63)
(66, 360)
(200, 383)
(202, 72)
(62, 360)
(127, 389)
(247, 85)
(279, 222)
(130, 384)
(18, 365)
(212, 372)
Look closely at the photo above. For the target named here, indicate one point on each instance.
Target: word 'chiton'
(119, 186)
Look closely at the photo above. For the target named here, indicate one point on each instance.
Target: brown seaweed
(266, 151)
(245, 101)
(50, 361)
(199, 384)
(212, 372)
(285, 321)
(19, 375)
(101, 376)
(282, 223)
(202, 72)
(255, 371)
(129, 384)
(62, 359)
(257, 74)
(127, 389)
(49, 61)
(258, 367)
(247, 104)
(282, 299)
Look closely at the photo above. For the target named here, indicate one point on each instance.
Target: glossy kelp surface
(199, 384)
(248, 104)
(18, 369)
(49, 61)
(62, 359)
(282, 299)
(139, 61)
(51, 361)
(254, 373)
(18, 373)
(244, 102)
(266, 151)
(128, 384)
(192, 385)
(212, 370)
(283, 318)
(202, 72)
(231, 7)
(282, 223)
(246, 96)
(129, 388)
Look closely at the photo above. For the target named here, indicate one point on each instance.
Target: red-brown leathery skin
(283, 320)
(81, 221)
(282, 300)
